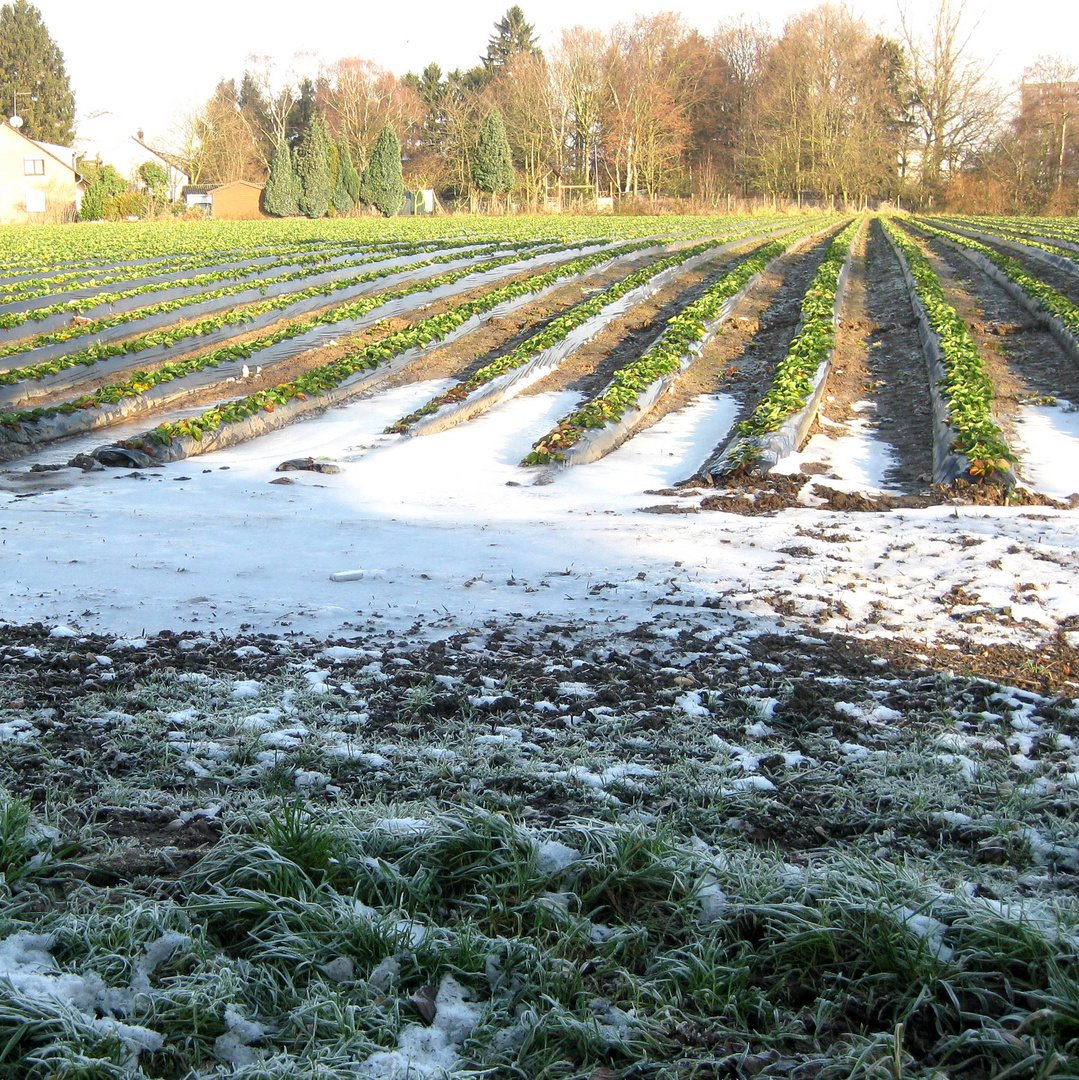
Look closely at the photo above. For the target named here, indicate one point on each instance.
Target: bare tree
(649, 124)
(741, 48)
(278, 82)
(582, 98)
(1047, 129)
(824, 110)
(953, 104)
(526, 96)
(359, 98)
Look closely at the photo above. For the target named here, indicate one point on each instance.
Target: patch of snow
(427, 1053)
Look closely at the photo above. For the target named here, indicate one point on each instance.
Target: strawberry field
(577, 648)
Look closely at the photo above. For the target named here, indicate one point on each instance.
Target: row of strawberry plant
(1064, 229)
(49, 246)
(796, 376)
(328, 377)
(966, 388)
(75, 266)
(234, 317)
(665, 357)
(1048, 298)
(298, 256)
(556, 331)
(18, 318)
(139, 382)
(1032, 240)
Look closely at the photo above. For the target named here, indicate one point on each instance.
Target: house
(238, 200)
(128, 153)
(38, 181)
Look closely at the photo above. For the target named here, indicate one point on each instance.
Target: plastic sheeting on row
(513, 382)
(948, 465)
(770, 449)
(27, 391)
(363, 381)
(601, 441)
(258, 268)
(256, 292)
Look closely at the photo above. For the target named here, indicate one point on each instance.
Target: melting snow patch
(690, 703)
(575, 690)
(428, 1052)
(28, 968)
(929, 929)
(17, 731)
(553, 857)
(234, 1046)
(245, 688)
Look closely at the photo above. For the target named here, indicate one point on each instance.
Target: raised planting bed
(1050, 308)
(143, 391)
(50, 374)
(123, 307)
(266, 410)
(606, 420)
(1052, 253)
(967, 443)
(782, 418)
(542, 353)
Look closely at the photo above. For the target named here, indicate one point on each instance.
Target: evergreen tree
(492, 167)
(346, 192)
(512, 35)
(301, 114)
(281, 196)
(313, 170)
(33, 81)
(383, 185)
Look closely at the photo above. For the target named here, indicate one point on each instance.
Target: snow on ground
(448, 529)
(1049, 438)
(857, 460)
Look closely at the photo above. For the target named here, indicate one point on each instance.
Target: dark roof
(205, 189)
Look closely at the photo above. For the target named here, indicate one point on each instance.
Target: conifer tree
(492, 167)
(313, 170)
(281, 196)
(512, 35)
(383, 185)
(33, 81)
(347, 175)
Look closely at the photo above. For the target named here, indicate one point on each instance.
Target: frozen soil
(591, 367)
(1023, 359)
(741, 360)
(527, 850)
(878, 361)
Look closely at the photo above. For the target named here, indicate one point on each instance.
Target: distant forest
(829, 111)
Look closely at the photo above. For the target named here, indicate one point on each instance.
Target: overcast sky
(141, 64)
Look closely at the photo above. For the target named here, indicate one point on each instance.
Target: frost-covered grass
(531, 857)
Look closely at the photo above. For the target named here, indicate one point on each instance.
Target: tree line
(828, 110)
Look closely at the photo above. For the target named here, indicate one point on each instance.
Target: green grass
(897, 900)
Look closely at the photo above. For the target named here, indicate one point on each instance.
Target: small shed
(238, 200)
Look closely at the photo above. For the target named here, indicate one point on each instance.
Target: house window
(33, 166)
(35, 202)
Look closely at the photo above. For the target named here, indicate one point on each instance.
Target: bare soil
(500, 335)
(591, 367)
(878, 346)
(1022, 358)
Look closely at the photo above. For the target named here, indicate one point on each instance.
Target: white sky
(142, 63)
